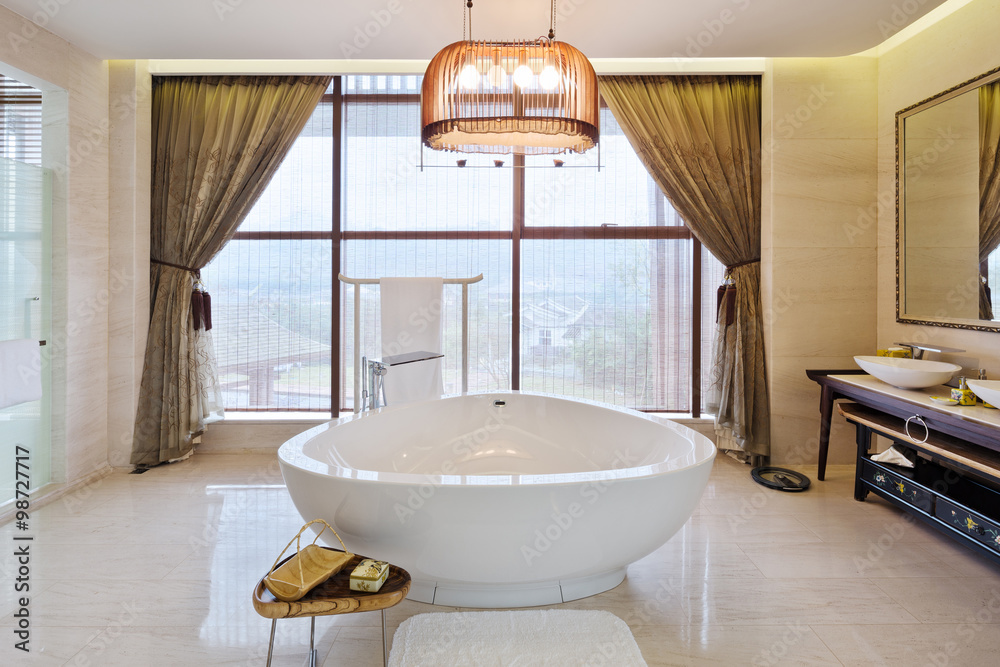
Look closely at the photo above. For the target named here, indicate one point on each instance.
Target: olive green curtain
(216, 143)
(699, 137)
(989, 184)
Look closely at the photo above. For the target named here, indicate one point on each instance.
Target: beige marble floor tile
(246, 469)
(747, 527)
(792, 644)
(882, 519)
(238, 517)
(162, 483)
(160, 505)
(170, 647)
(76, 503)
(140, 603)
(908, 645)
(804, 505)
(190, 540)
(946, 599)
(131, 502)
(962, 561)
(717, 601)
(358, 647)
(47, 646)
(51, 529)
(13, 582)
(874, 558)
(98, 562)
(238, 563)
(697, 560)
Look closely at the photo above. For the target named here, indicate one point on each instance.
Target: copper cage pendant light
(526, 97)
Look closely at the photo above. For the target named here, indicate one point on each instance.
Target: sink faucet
(917, 349)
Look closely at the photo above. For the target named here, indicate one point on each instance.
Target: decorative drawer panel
(974, 525)
(899, 487)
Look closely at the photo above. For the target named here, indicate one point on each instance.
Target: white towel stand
(358, 282)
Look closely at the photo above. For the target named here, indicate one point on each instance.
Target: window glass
(605, 280)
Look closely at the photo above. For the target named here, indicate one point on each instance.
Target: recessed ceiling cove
(417, 29)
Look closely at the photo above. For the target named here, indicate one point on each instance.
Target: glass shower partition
(26, 312)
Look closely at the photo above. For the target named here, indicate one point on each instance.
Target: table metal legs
(270, 644)
(385, 646)
(312, 641)
(313, 654)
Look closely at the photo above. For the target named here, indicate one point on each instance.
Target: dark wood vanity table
(901, 403)
(955, 484)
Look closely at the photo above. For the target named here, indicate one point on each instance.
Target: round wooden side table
(334, 596)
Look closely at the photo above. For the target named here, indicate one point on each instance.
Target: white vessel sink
(988, 390)
(908, 373)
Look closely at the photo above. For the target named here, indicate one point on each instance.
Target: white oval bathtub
(501, 499)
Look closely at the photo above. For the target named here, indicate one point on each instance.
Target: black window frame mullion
(336, 353)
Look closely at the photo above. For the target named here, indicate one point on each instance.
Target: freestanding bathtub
(502, 499)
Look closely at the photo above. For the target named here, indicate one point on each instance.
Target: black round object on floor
(780, 478)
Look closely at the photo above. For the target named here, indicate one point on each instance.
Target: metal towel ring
(927, 431)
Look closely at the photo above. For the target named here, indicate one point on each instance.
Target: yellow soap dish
(944, 400)
(308, 567)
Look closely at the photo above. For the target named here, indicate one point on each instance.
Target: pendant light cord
(467, 12)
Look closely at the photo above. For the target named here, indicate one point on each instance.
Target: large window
(593, 287)
(20, 121)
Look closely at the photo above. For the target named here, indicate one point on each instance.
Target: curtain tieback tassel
(197, 307)
(201, 301)
(720, 295)
(201, 307)
(206, 299)
(726, 294)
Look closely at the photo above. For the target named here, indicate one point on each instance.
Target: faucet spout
(917, 349)
(373, 394)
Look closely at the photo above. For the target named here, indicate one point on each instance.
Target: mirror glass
(948, 223)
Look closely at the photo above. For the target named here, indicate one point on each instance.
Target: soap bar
(369, 575)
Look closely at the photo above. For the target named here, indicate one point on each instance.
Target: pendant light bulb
(523, 76)
(469, 78)
(549, 78)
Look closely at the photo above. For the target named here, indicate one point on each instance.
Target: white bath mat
(538, 638)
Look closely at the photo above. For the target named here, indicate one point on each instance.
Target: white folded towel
(20, 372)
(411, 322)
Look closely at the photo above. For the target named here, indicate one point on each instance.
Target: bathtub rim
(703, 450)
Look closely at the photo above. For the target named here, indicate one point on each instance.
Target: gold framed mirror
(948, 207)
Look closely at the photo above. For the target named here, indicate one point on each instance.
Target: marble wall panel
(75, 86)
(955, 49)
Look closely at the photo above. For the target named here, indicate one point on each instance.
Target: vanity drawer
(900, 487)
(972, 524)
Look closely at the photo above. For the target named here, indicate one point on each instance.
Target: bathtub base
(506, 597)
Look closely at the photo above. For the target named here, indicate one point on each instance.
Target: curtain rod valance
(243, 79)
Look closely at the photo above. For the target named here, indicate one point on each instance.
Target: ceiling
(417, 29)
